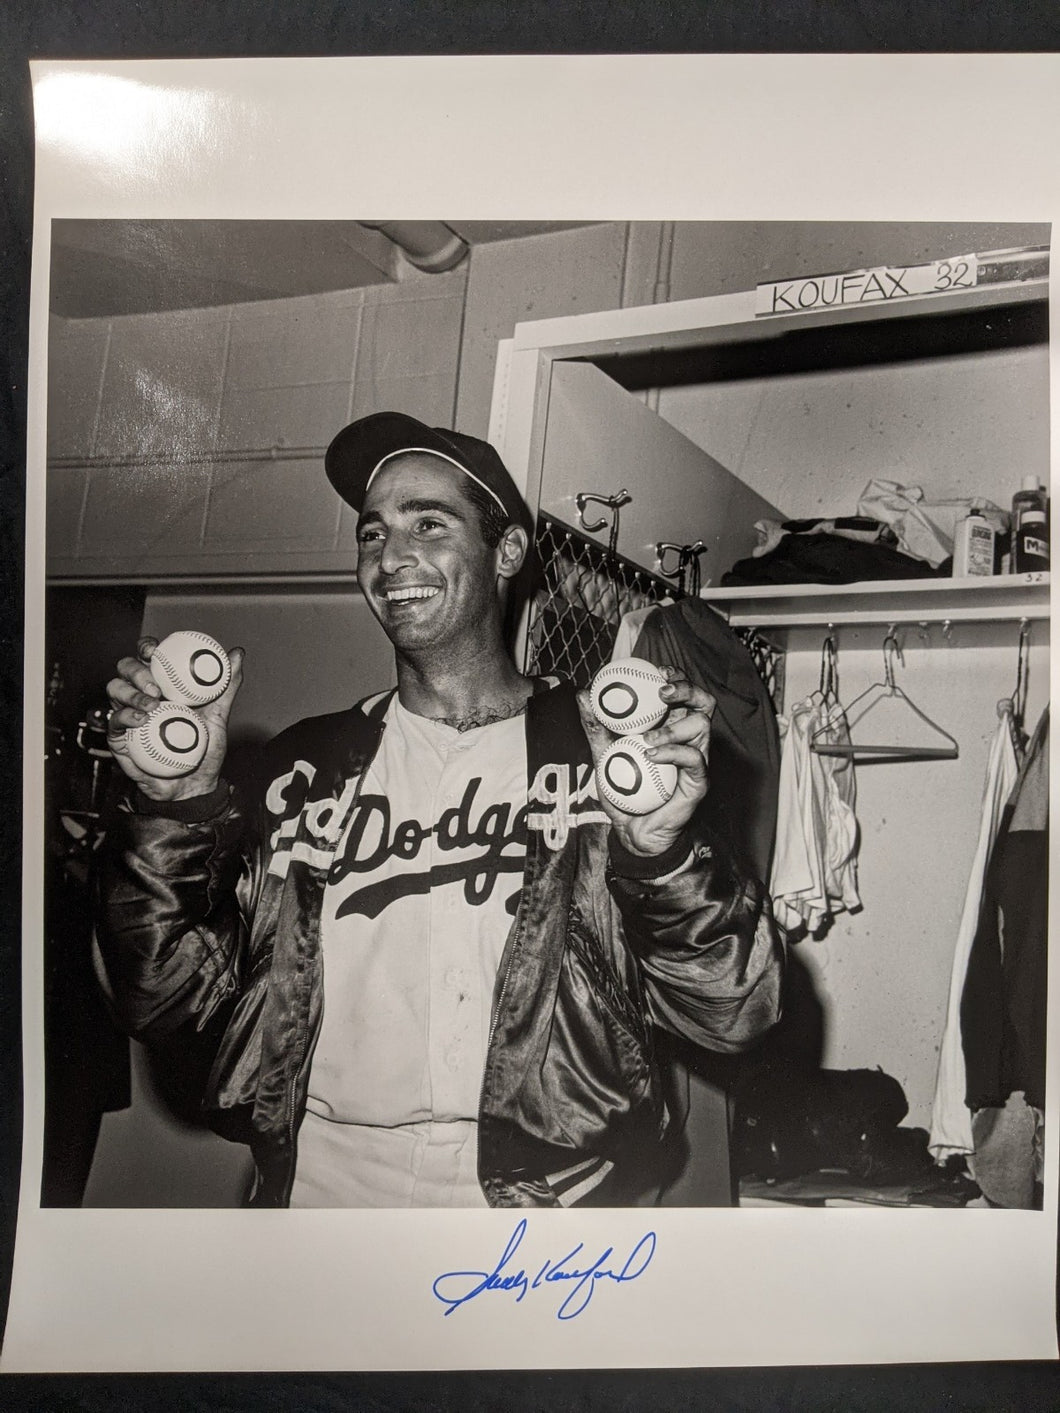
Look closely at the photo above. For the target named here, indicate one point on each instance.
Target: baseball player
(423, 964)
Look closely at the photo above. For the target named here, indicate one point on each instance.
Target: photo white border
(864, 137)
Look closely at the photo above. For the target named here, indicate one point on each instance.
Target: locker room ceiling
(105, 268)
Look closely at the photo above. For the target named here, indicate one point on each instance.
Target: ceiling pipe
(429, 245)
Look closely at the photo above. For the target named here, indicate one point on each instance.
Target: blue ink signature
(456, 1288)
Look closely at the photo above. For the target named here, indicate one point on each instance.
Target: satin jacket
(208, 944)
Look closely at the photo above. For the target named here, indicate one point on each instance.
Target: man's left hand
(683, 739)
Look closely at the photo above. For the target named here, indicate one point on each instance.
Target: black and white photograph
(459, 946)
(545, 767)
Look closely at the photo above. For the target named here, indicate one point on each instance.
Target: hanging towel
(815, 865)
(951, 1124)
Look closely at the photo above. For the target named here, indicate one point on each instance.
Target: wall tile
(416, 286)
(162, 387)
(347, 532)
(271, 505)
(299, 305)
(311, 342)
(76, 354)
(255, 419)
(144, 512)
(407, 338)
(307, 650)
(408, 359)
(428, 398)
(510, 282)
(64, 496)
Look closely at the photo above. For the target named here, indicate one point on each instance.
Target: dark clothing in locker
(829, 559)
(1003, 1005)
(86, 1057)
(741, 803)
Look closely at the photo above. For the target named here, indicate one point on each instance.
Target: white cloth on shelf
(951, 1120)
(925, 529)
(815, 861)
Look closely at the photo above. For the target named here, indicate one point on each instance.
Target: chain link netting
(587, 592)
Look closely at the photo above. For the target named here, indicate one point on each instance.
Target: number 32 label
(956, 274)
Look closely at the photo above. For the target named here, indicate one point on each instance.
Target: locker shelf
(1000, 598)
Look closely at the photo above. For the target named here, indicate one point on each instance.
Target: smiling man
(424, 965)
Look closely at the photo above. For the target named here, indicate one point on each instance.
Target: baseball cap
(363, 448)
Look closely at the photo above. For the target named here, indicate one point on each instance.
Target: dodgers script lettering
(573, 1275)
(374, 837)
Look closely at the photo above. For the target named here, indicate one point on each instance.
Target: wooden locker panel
(600, 438)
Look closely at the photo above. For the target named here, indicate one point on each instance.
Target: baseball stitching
(150, 749)
(649, 771)
(633, 674)
(167, 668)
(170, 670)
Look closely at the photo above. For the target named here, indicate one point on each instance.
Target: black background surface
(133, 29)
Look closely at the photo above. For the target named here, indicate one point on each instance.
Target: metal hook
(613, 503)
(891, 650)
(662, 549)
(686, 571)
(690, 557)
(829, 673)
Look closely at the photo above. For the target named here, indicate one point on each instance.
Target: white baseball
(190, 668)
(625, 697)
(631, 781)
(171, 741)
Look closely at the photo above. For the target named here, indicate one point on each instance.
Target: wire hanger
(887, 690)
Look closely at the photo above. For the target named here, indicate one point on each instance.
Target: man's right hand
(134, 692)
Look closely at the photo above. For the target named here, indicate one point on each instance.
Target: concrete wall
(961, 426)
(186, 389)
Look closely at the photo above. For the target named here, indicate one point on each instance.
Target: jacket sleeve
(172, 914)
(710, 953)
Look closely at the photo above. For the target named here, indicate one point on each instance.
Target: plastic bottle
(1030, 528)
(973, 546)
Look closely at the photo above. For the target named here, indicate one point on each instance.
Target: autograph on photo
(570, 1275)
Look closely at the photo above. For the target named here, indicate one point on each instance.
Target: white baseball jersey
(419, 903)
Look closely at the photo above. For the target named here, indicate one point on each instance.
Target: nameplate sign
(876, 286)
